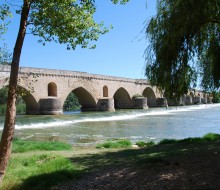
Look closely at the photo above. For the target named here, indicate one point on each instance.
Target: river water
(155, 124)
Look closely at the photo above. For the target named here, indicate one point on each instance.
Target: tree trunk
(8, 131)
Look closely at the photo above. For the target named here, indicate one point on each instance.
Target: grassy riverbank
(175, 164)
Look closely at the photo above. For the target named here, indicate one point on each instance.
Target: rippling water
(146, 125)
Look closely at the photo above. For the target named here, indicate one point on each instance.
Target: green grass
(25, 146)
(145, 144)
(46, 170)
(42, 171)
(206, 138)
(115, 144)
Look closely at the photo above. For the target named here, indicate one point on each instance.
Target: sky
(119, 53)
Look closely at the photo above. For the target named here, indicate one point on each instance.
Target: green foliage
(184, 41)
(121, 1)
(216, 97)
(211, 137)
(71, 103)
(25, 146)
(20, 106)
(4, 13)
(67, 22)
(3, 95)
(206, 138)
(145, 144)
(42, 171)
(115, 144)
(5, 56)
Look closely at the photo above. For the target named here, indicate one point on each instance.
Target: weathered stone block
(50, 106)
(140, 103)
(106, 104)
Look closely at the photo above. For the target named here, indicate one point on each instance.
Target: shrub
(136, 96)
(145, 144)
(115, 144)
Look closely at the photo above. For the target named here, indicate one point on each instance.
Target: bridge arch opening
(26, 103)
(151, 97)
(105, 91)
(52, 89)
(83, 99)
(122, 99)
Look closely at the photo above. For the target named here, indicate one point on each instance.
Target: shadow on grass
(47, 181)
(186, 165)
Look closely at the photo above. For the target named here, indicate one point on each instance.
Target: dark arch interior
(85, 99)
(122, 99)
(151, 97)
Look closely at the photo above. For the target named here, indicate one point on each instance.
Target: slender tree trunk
(8, 131)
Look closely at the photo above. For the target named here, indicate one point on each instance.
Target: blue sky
(118, 53)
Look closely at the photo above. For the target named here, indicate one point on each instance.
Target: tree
(71, 103)
(184, 46)
(67, 22)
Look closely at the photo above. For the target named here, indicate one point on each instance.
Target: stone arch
(151, 97)
(105, 91)
(52, 89)
(122, 99)
(32, 106)
(86, 100)
(30, 101)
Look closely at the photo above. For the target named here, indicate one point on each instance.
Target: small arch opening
(105, 91)
(52, 89)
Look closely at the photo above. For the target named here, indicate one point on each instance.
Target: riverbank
(186, 164)
(167, 166)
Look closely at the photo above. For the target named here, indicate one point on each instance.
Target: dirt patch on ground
(179, 166)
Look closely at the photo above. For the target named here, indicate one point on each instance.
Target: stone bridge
(44, 91)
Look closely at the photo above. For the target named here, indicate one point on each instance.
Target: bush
(145, 144)
(211, 137)
(136, 96)
(205, 138)
(168, 141)
(115, 144)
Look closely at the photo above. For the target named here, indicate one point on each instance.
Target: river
(90, 128)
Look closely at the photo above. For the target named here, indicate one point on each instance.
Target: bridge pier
(50, 106)
(197, 100)
(162, 102)
(106, 104)
(140, 103)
